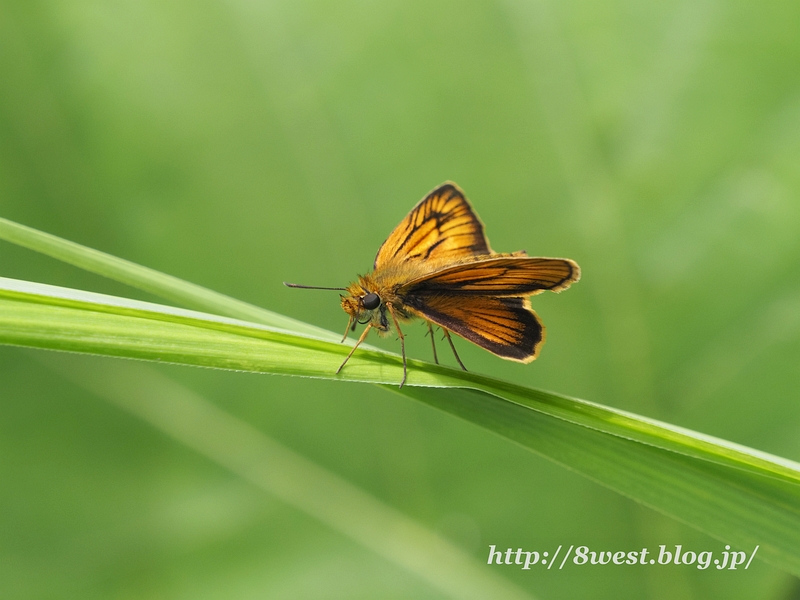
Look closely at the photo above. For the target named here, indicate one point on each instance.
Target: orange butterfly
(437, 265)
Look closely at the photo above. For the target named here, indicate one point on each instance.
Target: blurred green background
(238, 144)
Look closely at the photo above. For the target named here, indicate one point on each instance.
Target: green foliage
(734, 493)
(241, 144)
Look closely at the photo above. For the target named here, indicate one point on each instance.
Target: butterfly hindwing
(497, 276)
(507, 327)
(442, 226)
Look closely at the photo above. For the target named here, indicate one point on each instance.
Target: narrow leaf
(160, 284)
(733, 493)
(276, 469)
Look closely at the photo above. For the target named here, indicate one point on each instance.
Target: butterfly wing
(507, 327)
(484, 300)
(482, 296)
(497, 276)
(442, 226)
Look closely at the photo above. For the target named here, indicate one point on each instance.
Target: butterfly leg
(452, 346)
(433, 342)
(358, 343)
(402, 341)
(352, 321)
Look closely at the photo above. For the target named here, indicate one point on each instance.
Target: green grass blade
(735, 494)
(160, 284)
(577, 411)
(733, 505)
(376, 366)
(194, 421)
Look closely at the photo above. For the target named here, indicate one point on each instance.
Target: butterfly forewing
(497, 276)
(506, 327)
(442, 226)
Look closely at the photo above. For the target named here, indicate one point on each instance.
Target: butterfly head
(365, 303)
(360, 301)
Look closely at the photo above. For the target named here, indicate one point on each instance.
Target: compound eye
(371, 301)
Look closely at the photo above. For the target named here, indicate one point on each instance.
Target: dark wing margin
(442, 225)
(497, 276)
(506, 327)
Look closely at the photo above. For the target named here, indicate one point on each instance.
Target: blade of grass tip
(197, 423)
(149, 280)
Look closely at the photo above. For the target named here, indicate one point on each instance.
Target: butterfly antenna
(312, 287)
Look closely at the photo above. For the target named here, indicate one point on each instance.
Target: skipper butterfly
(437, 265)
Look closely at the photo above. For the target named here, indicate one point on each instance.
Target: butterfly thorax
(369, 297)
